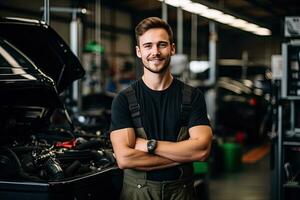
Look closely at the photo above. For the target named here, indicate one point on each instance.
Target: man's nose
(155, 50)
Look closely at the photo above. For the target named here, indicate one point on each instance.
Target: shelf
(293, 134)
(292, 185)
(291, 143)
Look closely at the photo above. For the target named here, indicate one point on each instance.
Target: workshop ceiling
(267, 13)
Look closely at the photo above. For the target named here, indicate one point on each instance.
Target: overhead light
(198, 66)
(218, 16)
(177, 3)
(194, 8)
(262, 31)
(225, 19)
(239, 23)
(212, 14)
(251, 27)
(83, 10)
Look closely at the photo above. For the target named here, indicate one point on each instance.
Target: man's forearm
(193, 149)
(127, 156)
(184, 151)
(136, 159)
(156, 162)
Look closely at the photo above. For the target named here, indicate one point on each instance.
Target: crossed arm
(131, 152)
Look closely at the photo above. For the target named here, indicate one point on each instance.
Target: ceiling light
(218, 16)
(262, 31)
(195, 8)
(177, 3)
(225, 19)
(212, 14)
(239, 23)
(251, 27)
(198, 66)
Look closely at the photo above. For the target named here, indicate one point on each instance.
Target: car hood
(45, 48)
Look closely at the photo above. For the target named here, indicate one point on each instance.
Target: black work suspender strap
(186, 104)
(134, 107)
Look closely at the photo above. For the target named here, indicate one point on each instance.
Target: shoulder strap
(186, 103)
(134, 107)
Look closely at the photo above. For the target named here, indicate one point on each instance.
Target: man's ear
(173, 49)
(138, 51)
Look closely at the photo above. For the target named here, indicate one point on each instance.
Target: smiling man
(159, 124)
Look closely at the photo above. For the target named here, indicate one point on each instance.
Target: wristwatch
(151, 146)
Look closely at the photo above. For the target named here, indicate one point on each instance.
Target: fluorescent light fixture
(239, 23)
(218, 16)
(225, 19)
(251, 27)
(177, 3)
(195, 8)
(262, 31)
(212, 14)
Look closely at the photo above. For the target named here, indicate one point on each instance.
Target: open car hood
(45, 48)
(28, 96)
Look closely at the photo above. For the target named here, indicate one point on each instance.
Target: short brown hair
(152, 22)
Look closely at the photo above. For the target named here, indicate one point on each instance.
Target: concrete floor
(252, 182)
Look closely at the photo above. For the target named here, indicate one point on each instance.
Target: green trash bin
(200, 167)
(232, 157)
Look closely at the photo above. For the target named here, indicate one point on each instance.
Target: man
(159, 125)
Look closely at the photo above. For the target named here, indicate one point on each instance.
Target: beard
(161, 70)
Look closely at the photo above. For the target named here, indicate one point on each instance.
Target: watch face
(151, 145)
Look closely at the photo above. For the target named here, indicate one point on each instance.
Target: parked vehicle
(243, 102)
(42, 154)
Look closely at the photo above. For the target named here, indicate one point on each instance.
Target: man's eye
(147, 46)
(162, 45)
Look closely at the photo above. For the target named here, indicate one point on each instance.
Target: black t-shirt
(160, 116)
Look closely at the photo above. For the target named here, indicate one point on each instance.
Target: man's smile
(155, 61)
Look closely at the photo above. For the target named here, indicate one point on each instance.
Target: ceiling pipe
(179, 31)
(46, 16)
(164, 11)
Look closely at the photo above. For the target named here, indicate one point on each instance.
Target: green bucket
(232, 157)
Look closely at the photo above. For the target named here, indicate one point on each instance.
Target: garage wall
(31, 9)
(116, 25)
(117, 34)
(232, 44)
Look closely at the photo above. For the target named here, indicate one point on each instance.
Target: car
(42, 154)
(243, 103)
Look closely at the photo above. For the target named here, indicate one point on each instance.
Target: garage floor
(252, 182)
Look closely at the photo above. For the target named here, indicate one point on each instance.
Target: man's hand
(124, 142)
(196, 148)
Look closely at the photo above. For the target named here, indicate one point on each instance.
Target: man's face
(155, 50)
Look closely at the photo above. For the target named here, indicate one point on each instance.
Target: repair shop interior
(63, 62)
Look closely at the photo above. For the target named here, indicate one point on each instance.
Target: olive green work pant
(141, 189)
